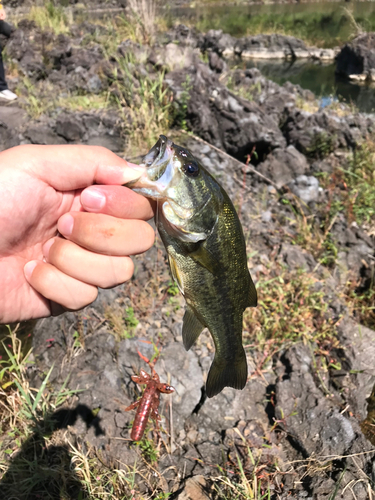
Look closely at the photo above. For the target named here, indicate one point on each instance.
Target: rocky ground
(299, 428)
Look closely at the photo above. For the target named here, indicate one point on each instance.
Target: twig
(248, 167)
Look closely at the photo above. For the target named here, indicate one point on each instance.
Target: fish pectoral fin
(206, 259)
(176, 274)
(252, 299)
(191, 328)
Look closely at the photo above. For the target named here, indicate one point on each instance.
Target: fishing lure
(148, 405)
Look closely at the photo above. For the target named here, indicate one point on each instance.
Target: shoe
(8, 95)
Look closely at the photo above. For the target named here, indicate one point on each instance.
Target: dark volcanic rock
(42, 134)
(221, 118)
(357, 58)
(318, 134)
(283, 165)
(70, 128)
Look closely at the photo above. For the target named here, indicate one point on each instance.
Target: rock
(112, 142)
(219, 42)
(194, 489)
(94, 84)
(296, 258)
(12, 116)
(283, 165)
(306, 188)
(272, 46)
(356, 59)
(43, 135)
(318, 134)
(8, 137)
(70, 128)
(223, 119)
(173, 57)
(216, 63)
(185, 36)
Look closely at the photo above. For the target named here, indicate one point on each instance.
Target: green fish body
(206, 248)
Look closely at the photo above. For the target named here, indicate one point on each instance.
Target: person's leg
(3, 83)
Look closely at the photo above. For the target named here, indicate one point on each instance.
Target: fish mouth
(157, 159)
(159, 170)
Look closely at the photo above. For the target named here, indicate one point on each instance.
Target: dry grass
(144, 18)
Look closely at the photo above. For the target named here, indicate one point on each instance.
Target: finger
(70, 167)
(118, 201)
(58, 287)
(106, 234)
(104, 271)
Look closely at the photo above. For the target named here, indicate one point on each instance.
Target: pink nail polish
(92, 199)
(65, 224)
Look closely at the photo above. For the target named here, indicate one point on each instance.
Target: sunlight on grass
(292, 307)
(50, 17)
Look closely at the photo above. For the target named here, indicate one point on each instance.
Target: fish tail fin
(226, 373)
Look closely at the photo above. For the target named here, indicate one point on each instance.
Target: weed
(246, 92)
(148, 450)
(172, 289)
(131, 322)
(351, 188)
(50, 17)
(322, 144)
(143, 19)
(361, 303)
(181, 110)
(146, 105)
(292, 308)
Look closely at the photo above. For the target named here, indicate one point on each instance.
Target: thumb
(71, 167)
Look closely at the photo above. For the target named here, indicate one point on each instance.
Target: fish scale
(203, 236)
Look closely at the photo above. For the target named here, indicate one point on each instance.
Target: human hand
(42, 192)
(2, 14)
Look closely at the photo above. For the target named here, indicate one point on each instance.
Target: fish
(206, 249)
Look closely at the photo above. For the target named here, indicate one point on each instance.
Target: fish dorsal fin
(205, 258)
(252, 298)
(191, 328)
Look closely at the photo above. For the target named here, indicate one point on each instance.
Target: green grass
(324, 25)
(50, 17)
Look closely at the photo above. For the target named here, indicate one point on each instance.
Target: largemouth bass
(206, 248)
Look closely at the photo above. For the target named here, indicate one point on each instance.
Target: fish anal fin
(206, 259)
(225, 373)
(191, 328)
(252, 299)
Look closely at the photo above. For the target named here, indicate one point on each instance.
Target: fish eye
(191, 169)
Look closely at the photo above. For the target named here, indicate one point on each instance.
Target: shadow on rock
(43, 466)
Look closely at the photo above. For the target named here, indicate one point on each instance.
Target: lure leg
(132, 406)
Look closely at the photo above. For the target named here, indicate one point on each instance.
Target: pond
(324, 24)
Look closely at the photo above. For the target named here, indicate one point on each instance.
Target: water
(320, 79)
(323, 24)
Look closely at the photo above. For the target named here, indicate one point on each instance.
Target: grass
(292, 307)
(320, 25)
(51, 17)
(39, 458)
(146, 105)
